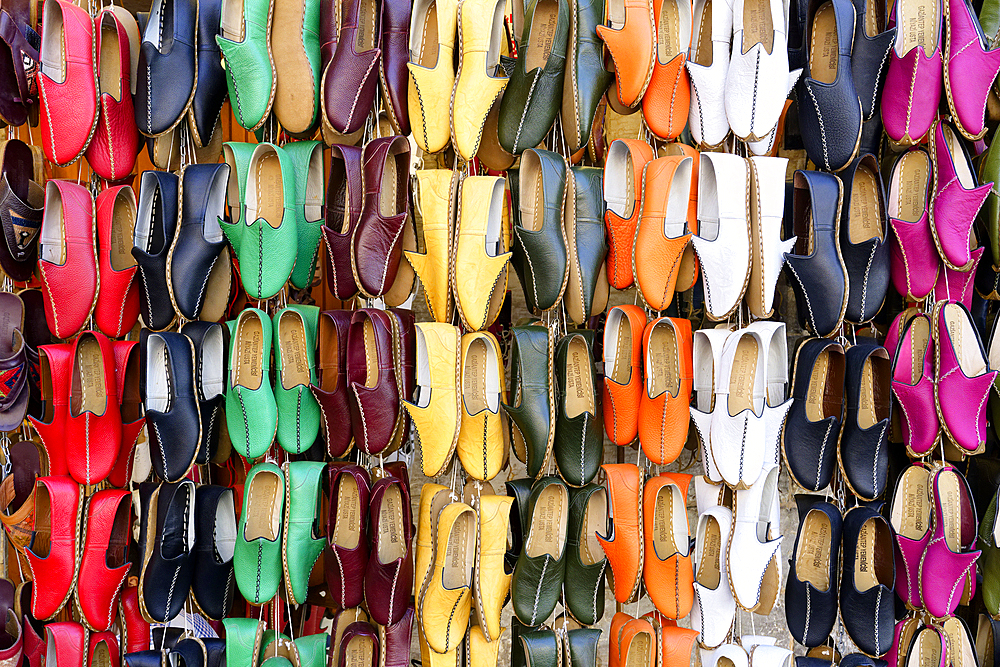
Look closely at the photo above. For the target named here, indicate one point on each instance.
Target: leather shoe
(538, 575)
(172, 409)
(54, 553)
(257, 555)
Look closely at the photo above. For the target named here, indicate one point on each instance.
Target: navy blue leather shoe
(212, 584)
(867, 585)
(863, 241)
(168, 67)
(211, 91)
(864, 453)
(166, 572)
(811, 592)
(173, 417)
(155, 226)
(816, 267)
(870, 56)
(210, 344)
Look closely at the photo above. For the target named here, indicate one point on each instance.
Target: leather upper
(668, 96)
(389, 575)
(664, 230)
(913, 386)
(483, 437)
(155, 227)
(307, 160)
(330, 389)
(117, 308)
(579, 437)
(583, 220)
(250, 65)
(93, 427)
(374, 405)
(438, 370)
(251, 410)
(811, 607)
(104, 564)
(67, 644)
(767, 249)
(209, 343)
(212, 582)
(623, 193)
(345, 196)
(948, 566)
(211, 89)
(867, 260)
(868, 581)
(539, 573)
(347, 548)
(585, 565)
(623, 382)
(863, 455)
(631, 44)
(907, 114)
(969, 69)
(664, 414)
(667, 570)
(158, 108)
(531, 411)
(432, 71)
(586, 79)
(482, 250)
(294, 347)
(166, 572)
(351, 78)
(58, 499)
(172, 409)
(492, 582)
(445, 603)
(623, 544)
(714, 609)
(302, 525)
(432, 198)
(257, 555)
(913, 258)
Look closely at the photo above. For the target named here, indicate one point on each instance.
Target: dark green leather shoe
(538, 575)
(532, 412)
(581, 647)
(539, 252)
(586, 78)
(586, 244)
(585, 560)
(989, 561)
(579, 434)
(541, 648)
(534, 93)
(520, 491)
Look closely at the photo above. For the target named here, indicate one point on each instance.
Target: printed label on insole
(912, 193)
(574, 378)
(743, 369)
(549, 515)
(294, 353)
(359, 653)
(91, 370)
(828, 52)
(816, 547)
(929, 657)
(817, 382)
(252, 353)
(456, 548)
(661, 525)
(915, 507)
(866, 540)
(916, 25)
(953, 524)
(387, 523)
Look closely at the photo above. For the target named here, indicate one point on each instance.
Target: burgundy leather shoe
(104, 563)
(55, 365)
(389, 576)
(350, 80)
(392, 72)
(53, 556)
(332, 391)
(371, 377)
(127, 381)
(395, 640)
(378, 240)
(117, 308)
(346, 553)
(94, 423)
(67, 644)
(345, 195)
(359, 646)
(32, 630)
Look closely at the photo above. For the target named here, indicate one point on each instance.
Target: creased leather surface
(432, 195)
(438, 422)
(481, 272)
(157, 107)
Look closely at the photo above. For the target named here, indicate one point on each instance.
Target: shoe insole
(824, 51)
(460, 553)
(661, 361)
(263, 507)
(364, 38)
(960, 650)
(359, 652)
(668, 29)
(621, 351)
(391, 541)
(873, 556)
(547, 532)
(675, 215)
(743, 376)
(51, 247)
(426, 53)
(812, 556)
(110, 63)
(249, 370)
(984, 642)
(116, 553)
(964, 340)
(392, 174)
(710, 566)
(217, 289)
(224, 537)
(178, 537)
(615, 12)
(640, 651)
(542, 34)
(579, 380)
(294, 355)
(770, 586)
(666, 528)
(89, 390)
(42, 537)
(865, 220)
(909, 187)
(917, 24)
(480, 385)
(340, 623)
(270, 191)
(51, 54)
(17, 164)
(158, 380)
(703, 52)
(958, 157)
(122, 233)
(532, 200)
(874, 19)
(595, 520)
(911, 508)
(925, 651)
(102, 655)
(347, 526)
(371, 354)
(823, 397)
(873, 403)
(337, 200)
(758, 28)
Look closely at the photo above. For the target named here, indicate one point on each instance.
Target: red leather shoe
(115, 145)
(67, 258)
(103, 650)
(104, 563)
(135, 629)
(53, 556)
(117, 308)
(67, 82)
(32, 631)
(127, 379)
(55, 365)
(67, 643)
(94, 424)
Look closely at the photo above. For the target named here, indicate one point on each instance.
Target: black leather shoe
(146, 491)
(212, 584)
(798, 11)
(809, 439)
(172, 415)
(210, 345)
(531, 414)
(198, 270)
(867, 585)
(520, 491)
(863, 241)
(816, 267)
(811, 592)
(586, 245)
(155, 225)
(581, 646)
(863, 454)
(189, 652)
(149, 658)
(829, 108)
(166, 571)
(215, 652)
(211, 91)
(167, 66)
(861, 660)
(579, 444)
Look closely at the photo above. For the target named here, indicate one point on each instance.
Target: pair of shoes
(648, 399)
(86, 103)
(368, 553)
(920, 641)
(935, 524)
(648, 641)
(867, 578)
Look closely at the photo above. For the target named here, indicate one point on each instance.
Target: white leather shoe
(750, 642)
(727, 655)
(776, 406)
(755, 577)
(707, 355)
(723, 239)
(707, 66)
(714, 609)
(737, 436)
(770, 656)
(708, 494)
(767, 250)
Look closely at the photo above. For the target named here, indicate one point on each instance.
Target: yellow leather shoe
(432, 71)
(480, 80)
(433, 499)
(437, 411)
(482, 251)
(446, 598)
(431, 658)
(482, 652)
(432, 197)
(492, 581)
(483, 440)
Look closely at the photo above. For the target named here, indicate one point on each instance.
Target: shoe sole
(293, 74)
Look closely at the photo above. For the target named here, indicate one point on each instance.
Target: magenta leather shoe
(928, 648)
(913, 386)
(913, 83)
(913, 259)
(948, 567)
(901, 638)
(898, 326)
(911, 521)
(956, 197)
(958, 286)
(970, 70)
(963, 376)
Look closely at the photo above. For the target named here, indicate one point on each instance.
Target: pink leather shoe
(911, 521)
(913, 386)
(970, 69)
(913, 82)
(956, 198)
(963, 377)
(913, 259)
(957, 285)
(948, 567)
(898, 326)
(901, 638)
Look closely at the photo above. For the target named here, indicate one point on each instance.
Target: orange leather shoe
(667, 570)
(676, 646)
(629, 36)
(623, 197)
(637, 644)
(618, 622)
(664, 413)
(668, 97)
(623, 546)
(623, 372)
(687, 275)
(664, 231)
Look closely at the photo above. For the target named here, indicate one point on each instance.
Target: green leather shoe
(310, 194)
(244, 640)
(295, 359)
(580, 646)
(538, 575)
(312, 650)
(585, 560)
(303, 541)
(532, 414)
(586, 245)
(520, 491)
(245, 41)
(257, 559)
(989, 169)
(237, 155)
(586, 78)
(989, 561)
(579, 427)
(251, 412)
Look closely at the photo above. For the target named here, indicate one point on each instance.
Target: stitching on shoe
(538, 590)
(805, 294)
(819, 463)
(527, 103)
(822, 126)
(864, 285)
